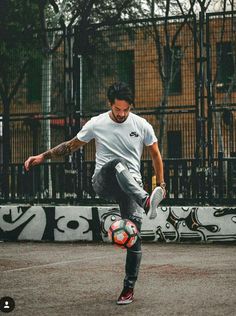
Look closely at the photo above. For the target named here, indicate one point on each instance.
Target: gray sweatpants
(114, 182)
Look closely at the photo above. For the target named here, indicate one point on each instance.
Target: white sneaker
(155, 199)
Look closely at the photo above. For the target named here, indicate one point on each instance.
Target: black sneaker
(154, 200)
(126, 296)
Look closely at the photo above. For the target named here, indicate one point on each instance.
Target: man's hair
(120, 91)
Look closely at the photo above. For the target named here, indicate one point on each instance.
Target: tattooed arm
(64, 149)
(61, 150)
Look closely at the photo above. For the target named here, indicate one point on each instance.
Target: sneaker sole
(124, 302)
(155, 200)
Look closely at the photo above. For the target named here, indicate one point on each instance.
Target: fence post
(78, 101)
(6, 148)
(200, 103)
(210, 105)
(220, 175)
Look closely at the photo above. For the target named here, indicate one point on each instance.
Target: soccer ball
(123, 233)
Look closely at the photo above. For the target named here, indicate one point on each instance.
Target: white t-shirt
(115, 140)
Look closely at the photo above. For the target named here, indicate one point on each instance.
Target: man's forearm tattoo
(61, 150)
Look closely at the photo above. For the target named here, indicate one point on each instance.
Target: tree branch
(2, 92)
(56, 10)
(184, 22)
(43, 23)
(18, 81)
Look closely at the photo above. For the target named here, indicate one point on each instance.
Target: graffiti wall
(72, 223)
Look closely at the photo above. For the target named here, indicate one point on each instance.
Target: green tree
(87, 15)
(18, 45)
(56, 17)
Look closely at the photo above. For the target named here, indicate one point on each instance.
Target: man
(119, 136)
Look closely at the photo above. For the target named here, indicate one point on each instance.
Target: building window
(125, 67)
(172, 63)
(34, 81)
(226, 79)
(174, 144)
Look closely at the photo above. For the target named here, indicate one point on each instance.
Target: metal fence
(186, 183)
(183, 74)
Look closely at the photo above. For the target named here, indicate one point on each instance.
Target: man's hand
(33, 161)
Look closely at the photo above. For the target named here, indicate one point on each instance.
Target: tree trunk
(163, 119)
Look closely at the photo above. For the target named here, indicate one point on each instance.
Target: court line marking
(56, 263)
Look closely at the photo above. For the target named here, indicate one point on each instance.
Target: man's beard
(118, 119)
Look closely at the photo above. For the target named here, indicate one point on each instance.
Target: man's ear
(131, 106)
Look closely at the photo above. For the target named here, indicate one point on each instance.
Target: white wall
(72, 223)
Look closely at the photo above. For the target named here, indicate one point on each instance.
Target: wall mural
(71, 223)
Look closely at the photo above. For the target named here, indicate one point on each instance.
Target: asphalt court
(86, 278)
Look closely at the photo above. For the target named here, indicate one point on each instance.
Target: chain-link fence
(183, 75)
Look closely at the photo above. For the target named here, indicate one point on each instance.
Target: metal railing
(187, 183)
